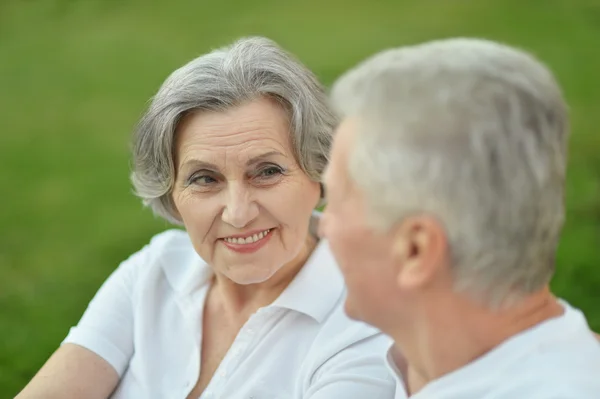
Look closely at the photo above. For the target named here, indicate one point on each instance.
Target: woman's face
(239, 191)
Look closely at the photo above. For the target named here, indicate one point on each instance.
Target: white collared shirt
(557, 359)
(146, 321)
(399, 378)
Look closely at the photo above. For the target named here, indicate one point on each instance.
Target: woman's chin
(247, 277)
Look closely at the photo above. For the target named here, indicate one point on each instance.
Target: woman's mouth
(249, 239)
(249, 243)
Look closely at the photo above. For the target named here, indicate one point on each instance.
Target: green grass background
(76, 75)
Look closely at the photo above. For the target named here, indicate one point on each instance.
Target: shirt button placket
(240, 344)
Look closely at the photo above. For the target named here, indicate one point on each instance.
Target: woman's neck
(237, 300)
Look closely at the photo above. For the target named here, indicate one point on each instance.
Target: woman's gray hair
(474, 133)
(227, 77)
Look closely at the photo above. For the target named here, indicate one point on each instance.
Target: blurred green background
(76, 75)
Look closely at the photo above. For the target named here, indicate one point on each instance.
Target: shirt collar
(317, 287)
(183, 267)
(391, 362)
(391, 355)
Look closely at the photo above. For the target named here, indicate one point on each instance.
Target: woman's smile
(249, 242)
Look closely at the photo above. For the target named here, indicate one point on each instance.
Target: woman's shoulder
(172, 240)
(340, 332)
(170, 249)
(324, 280)
(166, 243)
(345, 348)
(343, 342)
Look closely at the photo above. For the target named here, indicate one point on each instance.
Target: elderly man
(446, 189)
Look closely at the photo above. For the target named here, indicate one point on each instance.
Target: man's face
(364, 254)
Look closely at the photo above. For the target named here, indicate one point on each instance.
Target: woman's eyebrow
(262, 157)
(198, 164)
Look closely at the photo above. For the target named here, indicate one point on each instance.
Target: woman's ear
(173, 209)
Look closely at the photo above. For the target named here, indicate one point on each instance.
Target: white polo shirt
(557, 359)
(146, 321)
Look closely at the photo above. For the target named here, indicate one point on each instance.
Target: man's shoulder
(570, 372)
(559, 360)
(568, 385)
(526, 381)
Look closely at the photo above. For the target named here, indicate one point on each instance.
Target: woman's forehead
(253, 118)
(240, 134)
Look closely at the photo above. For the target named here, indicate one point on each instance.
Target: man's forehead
(344, 137)
(342, 144)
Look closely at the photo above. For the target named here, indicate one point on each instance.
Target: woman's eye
(270, 171)
(203, 180)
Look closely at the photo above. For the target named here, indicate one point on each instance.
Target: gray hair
(224, 78)
(474, 133)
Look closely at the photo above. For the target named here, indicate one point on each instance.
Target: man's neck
(455, 332)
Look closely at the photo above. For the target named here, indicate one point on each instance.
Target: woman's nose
(240, 208)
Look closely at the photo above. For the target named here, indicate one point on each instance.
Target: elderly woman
(246, 302)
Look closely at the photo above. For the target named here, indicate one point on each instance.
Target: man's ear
(419, 250)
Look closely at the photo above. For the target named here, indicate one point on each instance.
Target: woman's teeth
(248, 240)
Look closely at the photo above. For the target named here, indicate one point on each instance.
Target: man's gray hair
(474, 133)
(224, 78)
